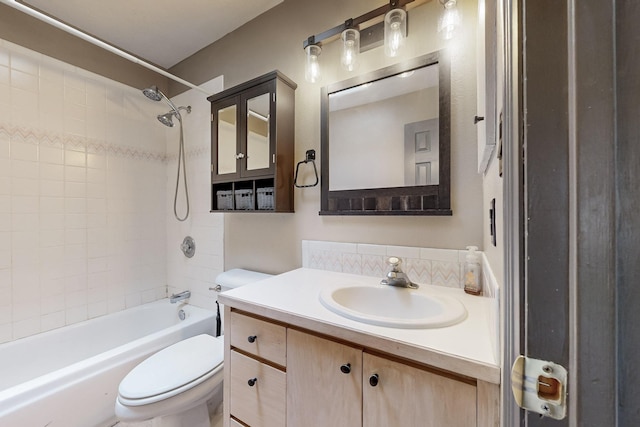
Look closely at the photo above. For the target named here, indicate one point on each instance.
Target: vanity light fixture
(450, 19)
(312, 64)
(395, 30)
(390, 18)
(350, 49)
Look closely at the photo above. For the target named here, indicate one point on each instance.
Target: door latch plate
(539, 386)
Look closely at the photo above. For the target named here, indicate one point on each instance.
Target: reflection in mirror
(386, 141)
(258, 132)
(385, 133)
(227, 140)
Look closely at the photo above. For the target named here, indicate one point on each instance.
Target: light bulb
(312, 64)
(395, 28)
(449, 21)
(350, 49)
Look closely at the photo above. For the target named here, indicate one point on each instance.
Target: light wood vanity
(297, 368)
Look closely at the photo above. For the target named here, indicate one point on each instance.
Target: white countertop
(293, 298)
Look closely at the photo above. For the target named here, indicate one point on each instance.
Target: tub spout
(179, 297)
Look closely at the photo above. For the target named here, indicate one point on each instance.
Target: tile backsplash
(441, 267)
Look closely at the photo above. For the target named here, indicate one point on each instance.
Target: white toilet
(172, 387)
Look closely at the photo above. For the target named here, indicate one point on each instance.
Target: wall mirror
(385, 141)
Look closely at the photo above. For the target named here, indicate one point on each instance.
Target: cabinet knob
(252, 382)
(346, 368)
(252, 338)
(240, 156)
(373, 380)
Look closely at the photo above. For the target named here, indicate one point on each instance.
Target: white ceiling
(163, 32)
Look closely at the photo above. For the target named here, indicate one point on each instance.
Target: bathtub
(69, 377)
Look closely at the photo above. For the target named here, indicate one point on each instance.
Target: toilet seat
(173, 370)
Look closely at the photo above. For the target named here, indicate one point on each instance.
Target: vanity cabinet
(344, 385)
(306, 379)
(252, 145)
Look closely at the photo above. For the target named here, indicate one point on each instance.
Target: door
(397, 394)
(573, 176)
(258, 141)
(324, 382)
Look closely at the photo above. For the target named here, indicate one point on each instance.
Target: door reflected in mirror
(385, 133)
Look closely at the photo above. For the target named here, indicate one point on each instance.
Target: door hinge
(540, 387)
(211, 116)
(273, 96)
(212, 168)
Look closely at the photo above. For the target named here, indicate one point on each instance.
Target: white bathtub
(69, 377)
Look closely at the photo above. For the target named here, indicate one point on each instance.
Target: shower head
(153, 93)
(166, 119)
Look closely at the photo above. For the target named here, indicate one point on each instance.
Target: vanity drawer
(258, 337)
(264, 402)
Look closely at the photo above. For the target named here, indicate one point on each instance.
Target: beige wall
(271, 242)
(36, 35)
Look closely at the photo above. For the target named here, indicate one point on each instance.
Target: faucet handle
(394, 261)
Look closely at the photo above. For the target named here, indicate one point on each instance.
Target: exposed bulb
(450, 20)
(312, 64)
(350, 49)
(395, 24)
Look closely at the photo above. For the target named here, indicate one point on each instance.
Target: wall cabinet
(303, 379)
(252, 145)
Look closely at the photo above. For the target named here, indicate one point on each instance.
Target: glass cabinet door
(258, 119)
(226, 160)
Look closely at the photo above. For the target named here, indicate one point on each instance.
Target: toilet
(174, 386)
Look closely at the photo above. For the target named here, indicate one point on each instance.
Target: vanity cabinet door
(324, 382)
(396, 394)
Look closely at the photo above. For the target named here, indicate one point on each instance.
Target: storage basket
(244, 199)
(265, 198)
(224, 199)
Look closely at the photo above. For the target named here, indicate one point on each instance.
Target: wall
(29, 32)
(82, 195)
(271, 243)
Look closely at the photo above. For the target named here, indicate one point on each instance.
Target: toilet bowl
(174, 381)
(172, 387)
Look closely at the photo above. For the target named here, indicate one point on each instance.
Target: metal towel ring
(310, 156)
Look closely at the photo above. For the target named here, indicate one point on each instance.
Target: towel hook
(310, 156)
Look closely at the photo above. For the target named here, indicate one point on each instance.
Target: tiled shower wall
(82, 195)
(196, 274)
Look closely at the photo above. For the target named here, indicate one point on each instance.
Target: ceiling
(163, 32)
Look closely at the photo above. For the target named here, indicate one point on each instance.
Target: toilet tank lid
(239, 277)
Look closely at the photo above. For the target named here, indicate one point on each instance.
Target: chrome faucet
(397, 277)
(179, 297)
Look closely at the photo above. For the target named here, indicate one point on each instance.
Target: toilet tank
(233, 279)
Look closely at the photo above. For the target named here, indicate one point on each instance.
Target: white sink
(393, 306)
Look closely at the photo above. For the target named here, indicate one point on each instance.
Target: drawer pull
(346, 368)
(252, 382)
(373, 380)
(252, 338)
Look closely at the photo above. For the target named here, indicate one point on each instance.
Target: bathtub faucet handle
(179, 297)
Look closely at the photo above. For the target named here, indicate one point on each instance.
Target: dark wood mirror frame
(411, 200)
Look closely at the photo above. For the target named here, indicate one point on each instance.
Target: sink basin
(393, 307)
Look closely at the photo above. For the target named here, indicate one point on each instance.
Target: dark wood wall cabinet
(252, 145)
